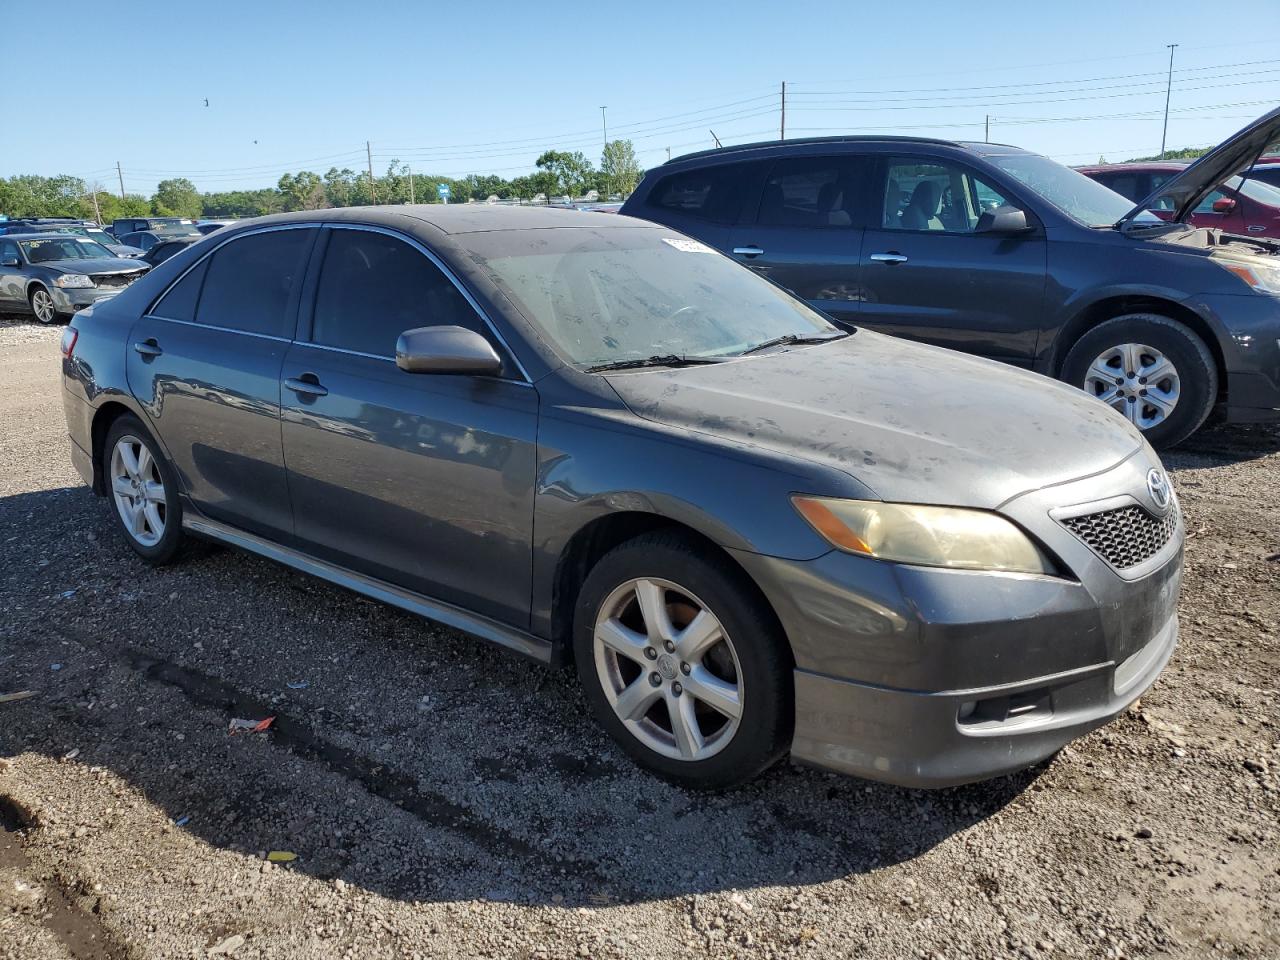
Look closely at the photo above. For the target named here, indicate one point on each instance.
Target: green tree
(572, 171)
(176, 198)
(302, 191)
(482, 186)
(1186, 153)
(619, 169)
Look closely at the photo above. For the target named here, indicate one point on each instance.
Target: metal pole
(411, 196)
(604, 125)
(782, 128)
(668, 154)
(97, 212)
(373, 188)
(715, 138)
(1168, 91)
(121, 176)
(986, 136)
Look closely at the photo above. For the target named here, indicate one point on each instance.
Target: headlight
(72, 280)
(1263, 277)
(930, 536)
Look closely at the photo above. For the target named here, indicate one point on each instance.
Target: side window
(179, 303)
(8, 249)
(709, 193)
(374, 287)
(810, 192)
(1128, 185)
(1206, 205)
(937, 197)
(249, 281)
(145, 241)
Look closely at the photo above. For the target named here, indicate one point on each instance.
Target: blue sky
(485, 87)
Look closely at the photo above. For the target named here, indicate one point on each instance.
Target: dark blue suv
(1005, 253)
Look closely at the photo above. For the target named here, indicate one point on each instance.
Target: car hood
(96, 265)
(913, 423)
(1234, 155)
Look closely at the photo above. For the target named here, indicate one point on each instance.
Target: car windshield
(63, 248)
(1070, 191)
(93, 233)
(607, 296)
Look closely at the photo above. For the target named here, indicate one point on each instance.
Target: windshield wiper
(790, 338)
(662, 360)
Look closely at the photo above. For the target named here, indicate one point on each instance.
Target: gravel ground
(445, 799)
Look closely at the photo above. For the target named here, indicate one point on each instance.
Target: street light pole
(604, 125)
(1168, 91)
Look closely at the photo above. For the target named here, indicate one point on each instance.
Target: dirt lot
(445, 799)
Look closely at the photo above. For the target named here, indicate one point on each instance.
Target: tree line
(556, 174)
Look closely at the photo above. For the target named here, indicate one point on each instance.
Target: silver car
(55, 275)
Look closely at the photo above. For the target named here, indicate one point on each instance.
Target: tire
(748, 655)
(159, 542)
(41, 303)
(1152, 344)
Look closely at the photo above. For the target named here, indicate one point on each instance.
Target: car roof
(1138, 165)
(771, 147)
(457, 218)
(45, 236)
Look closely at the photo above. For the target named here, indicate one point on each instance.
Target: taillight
(69, 337)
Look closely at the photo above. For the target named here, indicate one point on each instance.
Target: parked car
(144, 240)
(595, 438)
(1003, 253)
(67, 225)
(209, 226)
(1266, 170)
(1239, 205)
(57, 274)
(164, 249)
(122, 225)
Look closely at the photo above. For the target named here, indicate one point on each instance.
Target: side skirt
(525, 644)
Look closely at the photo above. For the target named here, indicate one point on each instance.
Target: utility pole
(121, 176)
(782, 130)
(986, 136)
(668, 154)
(373, 187)
(604, 125)
(97, 213)
(715, 138)
(1168, 91)
(412, 198)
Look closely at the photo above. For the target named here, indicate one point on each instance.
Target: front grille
(1125, 536)
(113, 279)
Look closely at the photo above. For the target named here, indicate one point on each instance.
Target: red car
(1249, 207)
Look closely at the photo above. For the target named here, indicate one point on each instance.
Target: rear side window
(810, 192)
(1128, 185)
(179, 303)
(709, 193)
(374, 287)
(250, 280)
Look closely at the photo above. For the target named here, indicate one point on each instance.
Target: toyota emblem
(1158, 487)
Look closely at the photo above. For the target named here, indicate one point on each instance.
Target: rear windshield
(1070, 191)
(632, 293)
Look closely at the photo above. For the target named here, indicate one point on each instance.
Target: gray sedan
(594, 440)
(57, 274)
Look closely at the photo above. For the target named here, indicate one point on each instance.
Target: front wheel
(1154, 370)
(42, 305)
(683, 663)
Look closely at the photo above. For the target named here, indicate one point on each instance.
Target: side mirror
(10, 262)
(1224, 205)
(454, 350)
(1006, 219)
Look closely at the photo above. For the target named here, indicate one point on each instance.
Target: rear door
(205, 364)
(929, 276)
(425, 481)
(805, 230)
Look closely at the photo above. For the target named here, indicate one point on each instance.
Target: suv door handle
(888, 258)
(749, 251)
(307, 385)
(148, 348)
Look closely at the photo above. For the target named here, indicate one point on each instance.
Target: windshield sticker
(687, 246)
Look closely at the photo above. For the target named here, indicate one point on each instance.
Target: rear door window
(810, 192)
(250, 282)
(709, 193)
(179, 302)
(374, 287)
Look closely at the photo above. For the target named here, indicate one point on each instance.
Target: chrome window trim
(443, 268)
(210, 326)
(312, 345)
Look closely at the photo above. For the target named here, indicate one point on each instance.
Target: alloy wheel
(138, 491)
(668, 668)
(1137, 380)
(42, 304)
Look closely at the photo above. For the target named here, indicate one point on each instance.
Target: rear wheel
(143, 491)
(42, 305)
(1152, 369)
(683, 662)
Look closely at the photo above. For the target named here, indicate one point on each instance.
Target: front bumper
(928, 678)
(74, 299)
(1249, 326)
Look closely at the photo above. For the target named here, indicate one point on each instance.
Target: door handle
(748, 251)
(307, 385)
(148, 348)
(1256, 229)
(888, 258)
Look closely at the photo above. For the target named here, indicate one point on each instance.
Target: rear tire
(1174, 382)
(694, 678)
(142, 491)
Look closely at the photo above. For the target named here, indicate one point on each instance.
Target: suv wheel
(143, 491)
(42, 305)
(683, 662)
(1154, 370)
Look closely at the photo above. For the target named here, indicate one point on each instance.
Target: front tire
(1154, 370)
(683, 662)
(42, 305)
(143, 491)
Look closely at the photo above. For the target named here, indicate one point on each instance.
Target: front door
(928, 275)
(205, 364)
(807, 231)
(422, 480)
(12, 279)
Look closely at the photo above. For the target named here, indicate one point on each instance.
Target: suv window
(941, 197)
(249, 281)
(708, 193)
(1128, 185)
(810, 192)
(374, 287)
